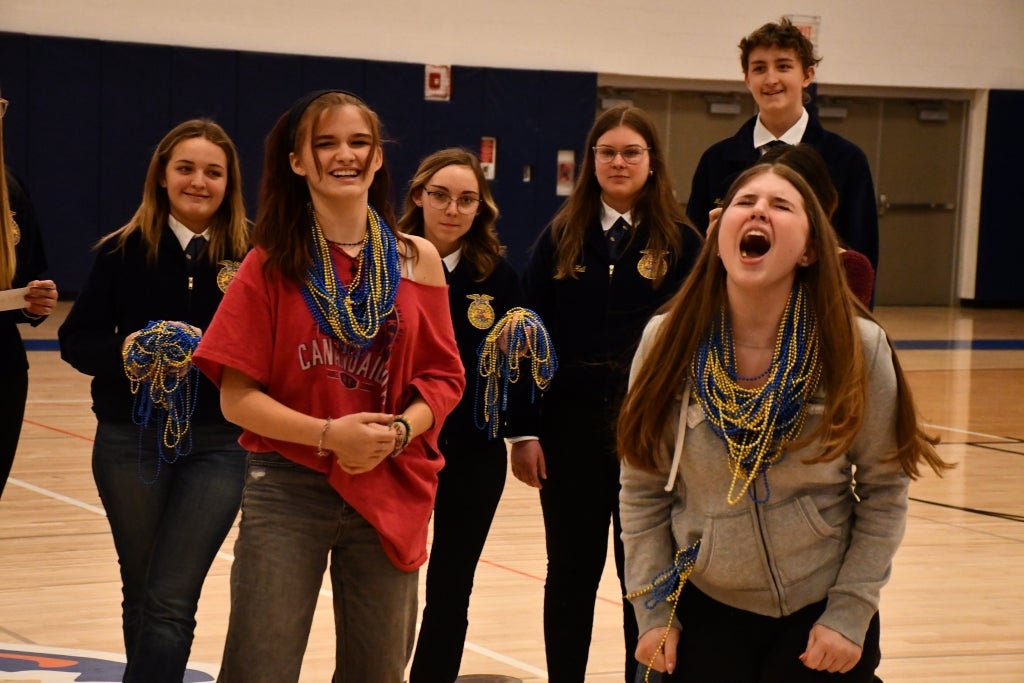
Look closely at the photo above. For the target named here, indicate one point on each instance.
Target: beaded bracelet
(320, 444)
(403, 431)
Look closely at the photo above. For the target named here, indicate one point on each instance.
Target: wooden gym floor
(953, 611)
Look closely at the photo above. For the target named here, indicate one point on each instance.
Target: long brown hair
(229, 227)
(655, 207)
(481, 248)
(691, 312)
(282, 218)
(8, 259)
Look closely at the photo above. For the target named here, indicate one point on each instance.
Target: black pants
(722, 644)
(580, 498)
(468, 491)
(12, 413)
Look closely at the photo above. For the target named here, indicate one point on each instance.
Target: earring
(650, 173)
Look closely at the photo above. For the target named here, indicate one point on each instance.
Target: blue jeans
(167, 534)
(292, 523)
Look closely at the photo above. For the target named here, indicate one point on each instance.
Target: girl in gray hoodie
(767, 442)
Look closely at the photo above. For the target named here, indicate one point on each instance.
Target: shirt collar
(452, 259)
(183, 234)
(793, 136)
(610, 215)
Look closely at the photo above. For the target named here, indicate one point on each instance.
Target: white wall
(949, 44)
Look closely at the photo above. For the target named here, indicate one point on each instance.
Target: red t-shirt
(264, 329)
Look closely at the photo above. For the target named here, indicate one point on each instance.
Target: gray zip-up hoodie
(814, 537)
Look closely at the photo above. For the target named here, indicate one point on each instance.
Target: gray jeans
(292, 522)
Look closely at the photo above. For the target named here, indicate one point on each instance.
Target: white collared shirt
(610, 215)
(183, 234)
(793, 136)
(452, 259)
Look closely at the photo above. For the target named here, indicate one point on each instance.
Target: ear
(808, 76)
(417, 198)
(378, 160)
(810, 256)
(296, 164)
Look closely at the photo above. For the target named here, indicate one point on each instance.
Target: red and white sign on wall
(437, 84)
(488, 156)
(807, 24)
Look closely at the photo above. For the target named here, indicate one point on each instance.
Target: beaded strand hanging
(519, 334)
(756, 424)
(667, 586)
(353, 315)
(158, 363)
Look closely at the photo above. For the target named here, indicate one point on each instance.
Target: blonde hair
(229, 228)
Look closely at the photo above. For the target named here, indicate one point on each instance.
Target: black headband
(302, 104)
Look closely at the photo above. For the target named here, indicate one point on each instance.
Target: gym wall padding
(85, 116)
(1001, 223)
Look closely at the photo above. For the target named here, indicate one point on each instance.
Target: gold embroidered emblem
(227, 272)
(653, 264)
(580, 269)
(15, 230)
(480, 313)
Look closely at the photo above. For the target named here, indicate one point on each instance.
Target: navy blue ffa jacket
(476, 307)
(31, 262)
(123, 294)
(856, 218)
(595, 321)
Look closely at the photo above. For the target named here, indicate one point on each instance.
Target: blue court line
(907, 344)
(42, 345)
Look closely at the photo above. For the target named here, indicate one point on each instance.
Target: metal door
(918, 184)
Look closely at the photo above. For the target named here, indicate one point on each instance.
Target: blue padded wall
(1001, 230)
(86, 115)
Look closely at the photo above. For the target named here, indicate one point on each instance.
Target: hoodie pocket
(731, 555)
(800, 540)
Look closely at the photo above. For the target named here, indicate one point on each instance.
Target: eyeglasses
(442, 200)
(631, 155)
(3, 107)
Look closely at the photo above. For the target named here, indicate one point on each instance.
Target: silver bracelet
(320, 444)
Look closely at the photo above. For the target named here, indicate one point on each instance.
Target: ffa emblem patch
(15, 230)
(227, 272)
(653, 263)
(480, 313)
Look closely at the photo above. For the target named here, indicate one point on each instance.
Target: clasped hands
(361, 441)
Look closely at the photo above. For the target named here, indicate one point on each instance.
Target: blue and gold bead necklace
(519, 334)
(353, 315)
(756, 424)
(158, 363)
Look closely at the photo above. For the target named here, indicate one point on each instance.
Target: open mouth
(345, 173)
(754, 244)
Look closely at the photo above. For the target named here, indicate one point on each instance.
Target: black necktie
(616, 236)
(769, 146)
(195, 248)
(192, 252)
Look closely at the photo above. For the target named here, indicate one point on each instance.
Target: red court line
(538, 578)
(59, 430)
